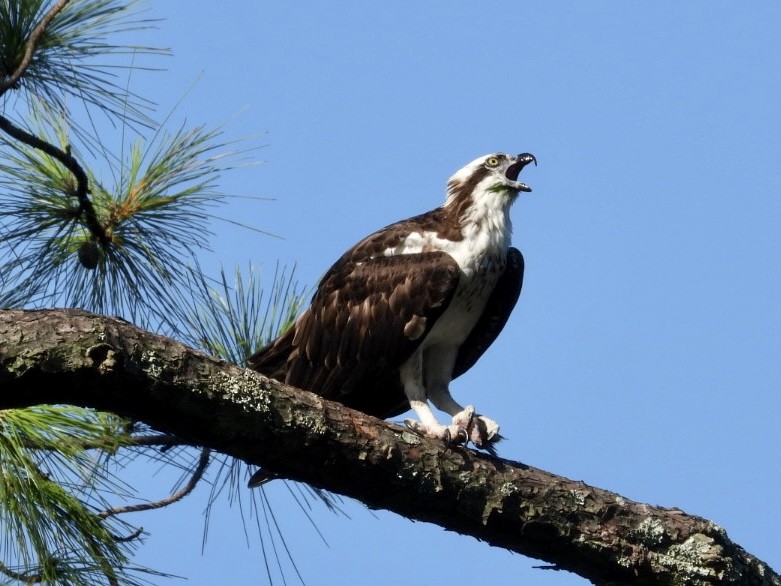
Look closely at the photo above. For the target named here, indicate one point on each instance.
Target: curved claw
(449, 434)
(466, 427)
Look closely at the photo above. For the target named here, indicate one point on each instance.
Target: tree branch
(10, 81)
(21, 577)
(63, 156)
(70, 356)
(69, 162)
(197, 474)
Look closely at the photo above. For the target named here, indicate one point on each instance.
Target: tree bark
(74, 357)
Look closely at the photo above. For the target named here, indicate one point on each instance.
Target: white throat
(486, 232)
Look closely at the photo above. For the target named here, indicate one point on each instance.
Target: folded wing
(494, 317)
(366, 319)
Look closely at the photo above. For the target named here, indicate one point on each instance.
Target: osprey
(413, 306)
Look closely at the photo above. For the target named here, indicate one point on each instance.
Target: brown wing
(497, 311)
(366, 319)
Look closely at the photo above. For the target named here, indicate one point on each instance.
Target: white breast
(467, 305)
(482, 256)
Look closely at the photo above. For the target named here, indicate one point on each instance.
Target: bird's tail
(261, 477)
(271, 360)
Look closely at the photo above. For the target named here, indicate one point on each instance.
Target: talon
(462, 436)
(450, 434)
(415, 426)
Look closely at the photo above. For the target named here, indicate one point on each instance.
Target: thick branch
(69, 356)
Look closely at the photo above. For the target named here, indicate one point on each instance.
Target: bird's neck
(484, 233)
(481, 220)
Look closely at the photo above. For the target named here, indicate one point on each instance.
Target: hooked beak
(515, 169)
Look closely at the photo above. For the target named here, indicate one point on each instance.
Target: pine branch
(51, 53)
(22, 577)
(69, 162)
(10, 81)
(70, 356)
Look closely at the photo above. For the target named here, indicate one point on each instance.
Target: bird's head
(490, 175)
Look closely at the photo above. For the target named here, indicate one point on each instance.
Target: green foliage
(73, 56)
(234, 320)
(53, 485)
(154, 215)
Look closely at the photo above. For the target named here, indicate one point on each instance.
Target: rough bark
(73, 357)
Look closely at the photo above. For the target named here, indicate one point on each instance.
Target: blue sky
(643, 356)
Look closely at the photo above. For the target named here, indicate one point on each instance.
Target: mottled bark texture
(73, 357)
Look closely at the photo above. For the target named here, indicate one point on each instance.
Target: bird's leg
(411, 377)
(477, 428)
(428, 425)
(480, 430)
(441, 398)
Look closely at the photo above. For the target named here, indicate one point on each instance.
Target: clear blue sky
(643, 356)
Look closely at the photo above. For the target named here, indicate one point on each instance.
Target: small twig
(132, 537)
(22, 577)
(70, 163)
(178, 495)
(63, 156)
(9, 81)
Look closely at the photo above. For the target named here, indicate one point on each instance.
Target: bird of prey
(413, 306)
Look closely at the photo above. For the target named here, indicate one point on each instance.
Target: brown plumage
(350, 342)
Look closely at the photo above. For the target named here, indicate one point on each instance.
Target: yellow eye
(492, 162)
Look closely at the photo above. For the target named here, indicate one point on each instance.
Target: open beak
(515, 169)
